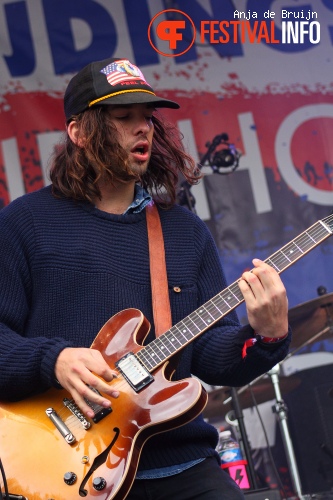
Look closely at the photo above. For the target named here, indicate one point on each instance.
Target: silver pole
(281, 411)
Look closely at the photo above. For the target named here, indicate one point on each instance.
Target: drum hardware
(315, 315)
(281, 411)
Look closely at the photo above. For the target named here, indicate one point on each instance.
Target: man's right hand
(78, 368)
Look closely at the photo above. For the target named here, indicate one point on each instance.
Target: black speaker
(310, 421)
(263, 495)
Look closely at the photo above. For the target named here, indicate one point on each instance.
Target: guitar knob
(99, 483)
(70, 478)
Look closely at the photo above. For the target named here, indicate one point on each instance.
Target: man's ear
(73, 132)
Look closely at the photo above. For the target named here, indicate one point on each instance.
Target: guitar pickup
(134, 372)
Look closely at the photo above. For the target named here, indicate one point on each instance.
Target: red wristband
(266, 340)
(271, 340)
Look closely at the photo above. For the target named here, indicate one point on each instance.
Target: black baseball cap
(110, 81)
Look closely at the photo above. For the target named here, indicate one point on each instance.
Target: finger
(97, 364)
(268, 277)
(85, 402)
(246, 289)
(251, 283)
(84, 394)
(98, 386)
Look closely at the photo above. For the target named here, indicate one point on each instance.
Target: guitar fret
(215, 313)
(145, 360)
(153, 355)
(193, 322)
(213, 310)
(225, 303)
(185, 328)
(206, 314)
(230, 300)
(198, 315)
(160, 340)
(290, 253)
(272, 264)
(155, 352)
(171, 339)
(182, 332)
(318, 231)
(235, 290)
(218, 309)
(172, 336)
(168, 344)
(295, 249)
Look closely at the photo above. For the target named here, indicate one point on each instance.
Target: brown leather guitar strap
(158, 274)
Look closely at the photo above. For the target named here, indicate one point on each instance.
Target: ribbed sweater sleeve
(25, 363)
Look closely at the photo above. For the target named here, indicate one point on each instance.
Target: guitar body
(36, 457)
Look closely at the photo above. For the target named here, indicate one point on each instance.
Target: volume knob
(99, 483)
(70, 478)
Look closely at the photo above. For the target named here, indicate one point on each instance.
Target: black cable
(2, 473)
(255, 404)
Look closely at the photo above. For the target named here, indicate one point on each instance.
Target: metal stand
(238, 413)
(281, 411)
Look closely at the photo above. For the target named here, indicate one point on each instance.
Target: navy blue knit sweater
(66, 268)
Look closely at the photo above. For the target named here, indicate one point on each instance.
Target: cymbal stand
(325, 330)
(281, 410)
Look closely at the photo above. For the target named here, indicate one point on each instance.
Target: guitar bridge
(69, 403)
(134, 372)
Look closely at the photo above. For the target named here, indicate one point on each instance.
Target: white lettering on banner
(283, 152)
(13, 170)
(198, 191)
(253, 162)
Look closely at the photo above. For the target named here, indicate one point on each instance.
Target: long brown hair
(75, 170)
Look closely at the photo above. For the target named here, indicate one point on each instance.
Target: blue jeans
(204, 481)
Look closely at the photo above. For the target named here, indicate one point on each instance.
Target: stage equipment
(238, 413)
(281, 411)
(311, 428)
(223, 160)
(311, 321)
(219, 400)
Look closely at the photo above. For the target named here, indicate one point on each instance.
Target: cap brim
(138, 98)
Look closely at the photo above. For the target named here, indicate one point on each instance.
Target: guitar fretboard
(183, 332)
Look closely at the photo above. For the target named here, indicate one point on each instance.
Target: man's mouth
(141, 151)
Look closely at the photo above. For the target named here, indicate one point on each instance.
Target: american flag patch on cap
(122, 71)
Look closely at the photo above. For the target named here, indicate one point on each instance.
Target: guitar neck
(185, 331)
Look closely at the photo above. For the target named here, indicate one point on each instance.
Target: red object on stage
(237, 471)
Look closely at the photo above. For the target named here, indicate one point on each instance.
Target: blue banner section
(261, 75)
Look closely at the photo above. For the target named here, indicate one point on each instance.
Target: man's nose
(143, 124)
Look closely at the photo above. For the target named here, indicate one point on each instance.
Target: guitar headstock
(329, 222)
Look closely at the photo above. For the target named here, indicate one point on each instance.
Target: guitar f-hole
(99, 460)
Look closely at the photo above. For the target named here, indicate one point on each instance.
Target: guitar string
(286, 256)
(290, 252)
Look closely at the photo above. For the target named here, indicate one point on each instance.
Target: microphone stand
(240, 420)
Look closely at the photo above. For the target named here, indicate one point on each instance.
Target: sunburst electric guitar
(49, 450)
